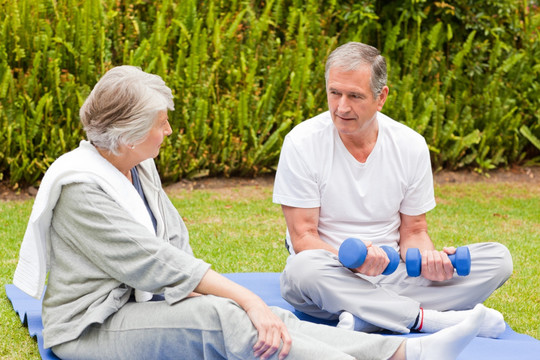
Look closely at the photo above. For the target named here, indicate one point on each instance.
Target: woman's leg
(357, 344)
(209, 327)
(446, 344)
(189, 329)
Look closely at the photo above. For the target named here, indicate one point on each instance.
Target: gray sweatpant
(209, 327)
(316, 283)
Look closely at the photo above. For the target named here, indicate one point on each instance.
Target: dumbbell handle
(353, 252)
(461, 260)
(452, 258)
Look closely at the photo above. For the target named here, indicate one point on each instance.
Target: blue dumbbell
(353, 252)
(461, 261)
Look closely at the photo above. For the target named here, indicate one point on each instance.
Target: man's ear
(382, 98)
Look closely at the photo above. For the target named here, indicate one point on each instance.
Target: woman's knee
(153, 330)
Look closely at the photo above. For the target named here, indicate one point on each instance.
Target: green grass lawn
(240, 230)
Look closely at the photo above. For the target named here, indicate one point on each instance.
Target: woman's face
(149, 148)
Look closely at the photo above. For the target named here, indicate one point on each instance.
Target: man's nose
(343, 104)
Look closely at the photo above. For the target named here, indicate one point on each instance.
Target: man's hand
(376, 261)
(436, 265)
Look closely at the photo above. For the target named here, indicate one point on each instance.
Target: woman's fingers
(270, 341)
(272, 344)
(272, 333)
(287, 343)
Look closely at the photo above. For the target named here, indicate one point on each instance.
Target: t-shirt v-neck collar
(350, 158)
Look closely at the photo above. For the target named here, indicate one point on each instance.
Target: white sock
(346, 321)
(447, 343)
(492, 326)
(350, 322)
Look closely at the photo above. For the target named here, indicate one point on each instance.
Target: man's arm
(302, 224)
(436, 265)
(303, 228)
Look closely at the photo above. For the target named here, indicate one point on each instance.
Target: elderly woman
(123, 282)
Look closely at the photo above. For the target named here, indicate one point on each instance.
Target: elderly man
(354, 172)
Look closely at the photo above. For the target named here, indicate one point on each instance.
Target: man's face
(351, 101)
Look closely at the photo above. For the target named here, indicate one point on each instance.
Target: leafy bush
(243, 73)
(466, 77)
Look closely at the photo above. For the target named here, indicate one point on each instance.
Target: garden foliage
(243, 73)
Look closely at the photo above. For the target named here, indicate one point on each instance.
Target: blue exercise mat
(29, 310)
(510, 345)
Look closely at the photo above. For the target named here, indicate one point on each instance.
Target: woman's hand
(272, 331)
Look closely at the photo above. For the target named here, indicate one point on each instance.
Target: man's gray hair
(122, 107)
(352, 55)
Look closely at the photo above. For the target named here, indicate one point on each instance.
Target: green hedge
(244, 72)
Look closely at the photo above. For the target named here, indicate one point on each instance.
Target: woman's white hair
(122, 107)
(352, 55)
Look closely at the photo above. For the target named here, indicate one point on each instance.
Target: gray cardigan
(99, 254)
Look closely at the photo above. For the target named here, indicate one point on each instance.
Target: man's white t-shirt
(362, 200)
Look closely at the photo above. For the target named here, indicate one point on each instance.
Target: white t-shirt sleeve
(295, 183)
(419, 197)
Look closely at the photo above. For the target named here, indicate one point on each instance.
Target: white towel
(83, 164)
